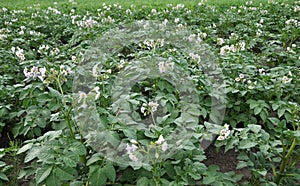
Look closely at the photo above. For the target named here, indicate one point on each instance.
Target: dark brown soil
(226, 161)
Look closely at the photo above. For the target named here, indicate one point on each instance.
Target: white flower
(170, 65)
(143, 109)
(164, 146)
(95, 71)
(42, 73)
(224, 133)
(153, 106)
(226, 126)
(220, 41)
(160, 140)
(261, 70)
(96, 90)
(162, 67)
(133, 141)
(133, 157)
(251, 87)
(203, 35)
(221, 138)
(19, 53)
(286, 80)
(26, 73)
(242, 45)
(237, 79)
(195, 57)
(241, 76)
(153, 11)
(82, 95)
(176, 20)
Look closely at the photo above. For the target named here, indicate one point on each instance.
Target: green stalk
(67, 115)
(285, 160)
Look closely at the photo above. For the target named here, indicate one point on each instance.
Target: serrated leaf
(42, 173)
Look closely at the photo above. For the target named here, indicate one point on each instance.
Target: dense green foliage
(256, 46)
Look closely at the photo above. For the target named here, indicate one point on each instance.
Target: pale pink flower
(164, 146)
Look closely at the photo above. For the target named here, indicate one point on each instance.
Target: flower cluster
(241, 76)
(40, 73)
(35, 73)
(287, 79)
(149, 108)
(133, 148)
(165, 66)
(224, 133)
(94, 93)
(232, 48)
(161, 141)
(19, 52)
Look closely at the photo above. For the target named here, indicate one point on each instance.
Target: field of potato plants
(113, 94)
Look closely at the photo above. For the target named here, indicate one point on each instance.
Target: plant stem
(285, 160)
(66, 114)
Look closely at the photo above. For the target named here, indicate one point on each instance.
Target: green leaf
(280, 112)
(110, 172)
(252, 103)
(32, 153)
(143, 181)
(42, 173)
(263, 115)
(52, 180)
(25, 148)
(3, 177)
(230, 144)
(69, 161)
(241, 164)
(257, 110)
(78, 148)
(55, 93)
(254, 128)
(195, 112)
(247, 144)
(94, 159)
(169, 169)
(63, 175)
(262, 172)
(96, 176)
